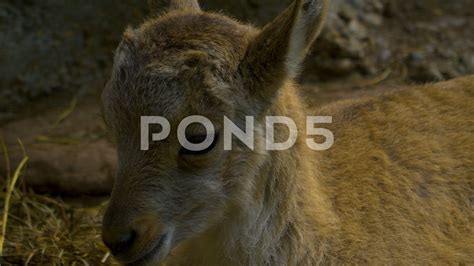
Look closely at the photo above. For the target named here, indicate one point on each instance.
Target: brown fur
(397, 187)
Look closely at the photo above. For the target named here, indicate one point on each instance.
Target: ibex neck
(289, 218)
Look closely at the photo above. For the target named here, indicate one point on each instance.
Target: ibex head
(189, 62)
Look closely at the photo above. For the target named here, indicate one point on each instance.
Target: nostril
(121, 242)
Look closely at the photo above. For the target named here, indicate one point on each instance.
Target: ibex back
(397, 186)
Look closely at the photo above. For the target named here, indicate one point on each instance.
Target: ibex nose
(127, 235)
(119, 241)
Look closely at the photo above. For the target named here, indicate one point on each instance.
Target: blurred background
(56, 56)
(54, 46)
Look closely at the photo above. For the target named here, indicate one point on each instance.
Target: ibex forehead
(170, 40)
(183, 56)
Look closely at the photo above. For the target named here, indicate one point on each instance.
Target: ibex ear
(174, 4)
(277, 52)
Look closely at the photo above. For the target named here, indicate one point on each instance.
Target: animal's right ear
(174, 4)
(275, 54)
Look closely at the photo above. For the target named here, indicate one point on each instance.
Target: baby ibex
(397, 186)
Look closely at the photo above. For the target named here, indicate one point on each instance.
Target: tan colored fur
(397, 187)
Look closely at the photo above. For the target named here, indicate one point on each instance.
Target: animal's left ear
(174, 4)
(277, 52)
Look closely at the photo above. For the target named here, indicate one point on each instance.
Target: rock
(62, 161)
(357, 30)
(54, 46)
(467, 61)
(373, 19)
(426, 73)
(347, 13)
(416, 56)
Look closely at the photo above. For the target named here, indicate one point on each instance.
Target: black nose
(119, 242)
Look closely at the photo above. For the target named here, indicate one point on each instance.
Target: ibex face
(188, 62)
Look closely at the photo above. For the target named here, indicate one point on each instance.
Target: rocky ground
(55, 58)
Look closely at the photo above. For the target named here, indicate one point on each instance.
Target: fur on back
(400, 175)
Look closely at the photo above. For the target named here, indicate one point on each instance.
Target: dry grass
(43, 230)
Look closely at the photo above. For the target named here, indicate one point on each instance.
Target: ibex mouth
(156, 253)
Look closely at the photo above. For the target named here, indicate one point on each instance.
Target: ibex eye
(197, 139)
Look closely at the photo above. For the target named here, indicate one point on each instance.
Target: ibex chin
(397, 186)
